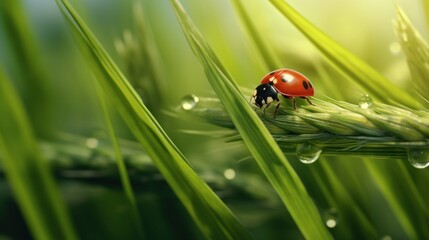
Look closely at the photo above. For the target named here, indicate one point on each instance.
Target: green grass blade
(359, 71)
(383, 180)
(270, 59)
(36, 94)
(347, 202)
(211, 215)
(123, 173)
(256, 136)
(416, 50)
(28, 173)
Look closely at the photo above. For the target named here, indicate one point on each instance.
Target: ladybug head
(265, 94)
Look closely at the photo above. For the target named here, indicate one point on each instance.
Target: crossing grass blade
(123, 173)
(27, 172)
(210, 214)
(255, 135)
(346, 202)
(360, 72)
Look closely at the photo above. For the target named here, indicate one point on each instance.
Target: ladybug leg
(308, 100)
(294, 104)
(268, 104)
(252, 98)
(276, 110)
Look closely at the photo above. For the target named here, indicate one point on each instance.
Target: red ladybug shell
(289, 83)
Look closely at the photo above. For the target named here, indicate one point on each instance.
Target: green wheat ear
(337, 127)
(416, 50)
(139, 52)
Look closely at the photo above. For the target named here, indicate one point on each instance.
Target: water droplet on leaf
(365, 101)
(330, 217)
(395, 47)
(91, 143)
(386, 237)
(229, 173)
(307, 152)
(418, 157)
(189, 102)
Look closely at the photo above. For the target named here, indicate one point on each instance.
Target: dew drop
(229, 173)
(418, 157)
(91, 143)
(189, 102)
(308, 153)
(330, 217)
(365, 101)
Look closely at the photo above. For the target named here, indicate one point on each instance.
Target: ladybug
(289, 83)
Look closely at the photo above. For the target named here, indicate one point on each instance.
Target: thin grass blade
(360, 72)
(123, 173)
(255, 135)
(210, 214)
(270, 59)
(383, 181)
(36, 94)
(28, 173)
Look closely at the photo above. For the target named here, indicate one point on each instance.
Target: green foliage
(361, 187)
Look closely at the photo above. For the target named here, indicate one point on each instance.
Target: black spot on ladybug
(305, 84)
(272, 73)
(309, 83)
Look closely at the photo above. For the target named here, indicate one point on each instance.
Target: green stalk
(28, 173)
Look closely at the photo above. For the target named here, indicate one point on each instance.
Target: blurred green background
(73, 136)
